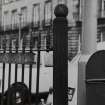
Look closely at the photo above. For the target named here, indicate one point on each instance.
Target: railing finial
(61, 10)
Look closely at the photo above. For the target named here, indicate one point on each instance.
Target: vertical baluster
(3, 74)
(9, 74)
(38, 65)
(16, 65)
(30, 66)
(30, 77)
(23, 51)
(48, 46)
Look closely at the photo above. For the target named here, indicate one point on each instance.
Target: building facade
(23, 20)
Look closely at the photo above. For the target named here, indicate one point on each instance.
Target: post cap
(61, 10)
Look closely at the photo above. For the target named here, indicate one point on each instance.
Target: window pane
(5, 20)
(13, 43)
(6, 1)
(35, 42)
(24, 16)
(62, 1)
(36, 14)
(7, 42)
(48, 59)
(14, 19)
(75, 9)
(48, 12)
(104, 8)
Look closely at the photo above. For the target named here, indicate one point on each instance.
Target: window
(13, 43)
(7, 43)
(99, 12)
(26, 41)
(3, 43)
(24, 16)
(43, 42)
(62, 1)
(104, 7)
(35, 42)
(0, 42)
(5, 18)
(36, 14)
(76, 9)
(14, 19)
(6, 1)
(48, 59)
(48, 12)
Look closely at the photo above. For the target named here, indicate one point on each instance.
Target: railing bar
(9, 81)
(30, 66)
(29, 50)
(23, 50)
(16, 65)
(9, 75)
(38, 73)
(30, 77)
(38, 66)
(3, 79)
(22, 73)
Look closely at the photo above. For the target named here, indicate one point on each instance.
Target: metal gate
(20, 56)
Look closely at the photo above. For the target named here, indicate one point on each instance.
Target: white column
(89, 33)
(89, 27)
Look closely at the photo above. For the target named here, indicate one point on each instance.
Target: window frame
(24, 20)
(36, 23)
(14, 19)
(14, 41)
(48, 21)
(5, 20)
(76, 7)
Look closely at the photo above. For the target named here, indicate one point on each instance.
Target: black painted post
(60, 59)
